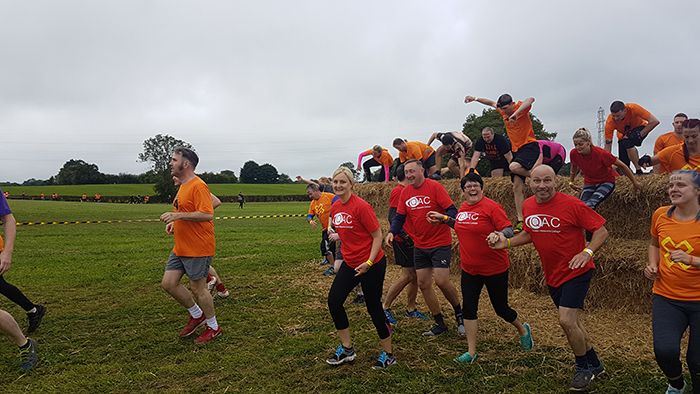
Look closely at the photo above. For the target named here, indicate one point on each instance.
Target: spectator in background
(672, 138)
(241, 199)
(83, 198)
(42, 197)
(98, 196)
(146, 199)
(496, 149)
(632, 123)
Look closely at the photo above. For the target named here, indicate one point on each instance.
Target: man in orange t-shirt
(632, 123)
(672, 138)
(321, 208)
(192, 224)
(416, 150)
(524, 145)
(380, 157)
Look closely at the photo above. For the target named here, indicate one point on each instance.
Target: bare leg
(498, 172)
(408, 276)
(577, 335)
(204, 299)
(633, 154)
(425, 283)
(518, 196)
(442, 280)
(9, 326)
(472, 327)
(171, 284)
(386, 344)
(345, 337)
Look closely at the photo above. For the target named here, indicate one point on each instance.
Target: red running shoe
(193, 325)
(208, 335)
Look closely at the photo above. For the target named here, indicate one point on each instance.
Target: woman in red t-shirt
(675, 232)
(363, 262)
(597, 167)
(477, 218)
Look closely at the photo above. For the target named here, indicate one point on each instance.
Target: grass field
(229, 189)
(110, 328)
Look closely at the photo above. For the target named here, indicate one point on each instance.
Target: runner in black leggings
(363, 262)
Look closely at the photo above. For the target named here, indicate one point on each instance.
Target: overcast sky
(307, 85)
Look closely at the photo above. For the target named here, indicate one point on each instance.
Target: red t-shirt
(596, 167)
(677, 281)
(474, 223)
(394, 201)
(355, 221)
(556, 230)
(415, 203)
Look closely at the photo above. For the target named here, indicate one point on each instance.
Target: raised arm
(432, 138)
(485, 101)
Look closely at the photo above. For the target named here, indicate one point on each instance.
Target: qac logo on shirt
(343, 220)
(472, 217)
(418, 202)
(543, 223)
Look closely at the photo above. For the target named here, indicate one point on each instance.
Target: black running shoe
(35, 318)
(435, 331)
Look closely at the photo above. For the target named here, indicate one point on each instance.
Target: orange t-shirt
(521, 132)
(322, 208)
(663, 142)
(677, 281)
(635, 116)
(416, 150)
(194, 239)
(672, 158)
(385, 159)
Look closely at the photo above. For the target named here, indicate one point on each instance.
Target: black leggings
(497, 286)
(15, 295)
(367, 166)
(372, 285)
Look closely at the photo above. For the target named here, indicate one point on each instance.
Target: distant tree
(250, 172)
(158, 151)
(225, 176)
(358, 175)
(284, 178)
(33, 182)
(491, 118)
(268, 174)
(78, 172)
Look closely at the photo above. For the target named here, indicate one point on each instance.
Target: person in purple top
(553, 154)
(35, 312)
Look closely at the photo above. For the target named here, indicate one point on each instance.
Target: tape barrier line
(155, 220)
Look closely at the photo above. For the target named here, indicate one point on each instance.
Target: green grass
(110, 328)
(146, 189)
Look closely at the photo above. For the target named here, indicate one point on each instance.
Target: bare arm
(628, 173)
(523, 107)
(485, 101)
(196, 216)
(652, 270)
(215, 201)
(299, 178)
(10, 227)
(652, 122)
(475, 159)
(432, 138)
(509, 156)
(597, 240)
(376, 245)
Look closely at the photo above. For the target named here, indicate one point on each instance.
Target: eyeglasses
(477, 186)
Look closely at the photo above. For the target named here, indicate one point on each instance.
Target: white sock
(211, 323)
(195, 311)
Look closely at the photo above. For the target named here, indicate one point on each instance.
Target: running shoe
(28, 355)
(527, 342)
(193, 325)
(597, 371)
(673, 390)
(466, 358)
(460, 325)
(435, 330)
(518, 227)
(330, 271)
(582, 379)
(360, 299)
(325, 261)
(435, 176)
(211, 284)
(342, 355)
(35, 318)
(220, 296)
(417, 314)
(384, 361)
(208, 335)
(389, 317)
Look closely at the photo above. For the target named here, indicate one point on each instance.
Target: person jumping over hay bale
(380, 157)
(416, 150)
(455, 143)
(496, 148)
(553, 154)
(675, 232)
(526, 150)
(403, 255)
(477, 218)
(433, 243)
(597, 167)
(632, 123)
(685, 156)
(553, 223)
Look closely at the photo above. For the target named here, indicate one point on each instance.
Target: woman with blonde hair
(380, 157)
(355, 222)
(597, 167)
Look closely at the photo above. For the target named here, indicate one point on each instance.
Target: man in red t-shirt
(433, 243)
(192, 224)
(553, 223)
(526, 150)
(632, 123)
